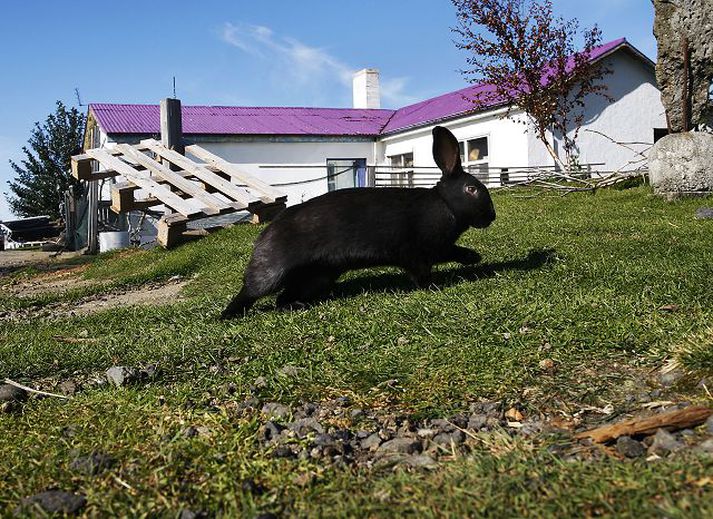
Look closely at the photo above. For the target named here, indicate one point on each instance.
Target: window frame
(479, 167)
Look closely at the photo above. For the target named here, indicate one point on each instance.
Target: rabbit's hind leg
(307, 285)
(420, 274)
(257, 283)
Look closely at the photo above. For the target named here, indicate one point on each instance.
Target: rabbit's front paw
(465, 256)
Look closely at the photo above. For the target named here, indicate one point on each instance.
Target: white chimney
(365, 86)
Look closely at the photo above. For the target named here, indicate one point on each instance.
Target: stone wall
(678, 21)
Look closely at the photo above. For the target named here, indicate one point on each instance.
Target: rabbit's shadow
(398, 282)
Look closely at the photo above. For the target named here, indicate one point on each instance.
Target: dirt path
(11, 260)
(57, 277)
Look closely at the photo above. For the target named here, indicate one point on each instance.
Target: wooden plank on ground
(224, 186)
(213, 204)
(673, 420)
(272, 194)
(164, 194)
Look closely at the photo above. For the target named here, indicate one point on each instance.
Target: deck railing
(383, 176)
(390, 176)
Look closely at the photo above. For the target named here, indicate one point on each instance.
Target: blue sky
(240, 52)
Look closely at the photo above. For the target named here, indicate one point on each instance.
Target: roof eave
(444, 119)
(625, 45)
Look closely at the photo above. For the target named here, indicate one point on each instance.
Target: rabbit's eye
(471, 190)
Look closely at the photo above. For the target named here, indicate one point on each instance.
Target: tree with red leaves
(529, 58)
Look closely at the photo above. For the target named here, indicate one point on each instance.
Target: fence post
(93, 218)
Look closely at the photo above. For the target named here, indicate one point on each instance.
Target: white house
(309, 151)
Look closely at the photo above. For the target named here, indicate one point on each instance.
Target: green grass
(577, 279)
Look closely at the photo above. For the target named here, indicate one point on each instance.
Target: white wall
(507, 140)
(256, 157)
(635, 112)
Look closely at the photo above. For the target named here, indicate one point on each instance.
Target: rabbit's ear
(446, 152)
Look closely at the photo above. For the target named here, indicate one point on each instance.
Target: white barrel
(113, 240)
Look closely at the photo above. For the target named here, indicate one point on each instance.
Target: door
(345, 173)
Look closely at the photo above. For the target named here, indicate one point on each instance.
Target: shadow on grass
(400, 282)
(395, 282)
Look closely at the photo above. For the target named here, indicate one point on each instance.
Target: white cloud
(393, 91)
(302, 64)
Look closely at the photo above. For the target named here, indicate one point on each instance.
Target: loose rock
(426, 434)
(11, 398)
(629, 448)
(372, 442)
(449, 438)
(419, 461)
(664, 443)
(10, 393)
(401, 446)
(670, 378)
(709, 425)
(52, 502)
(260, 383)
(547, 365)
(120, 375)
(91, 465)
(477, 421)
(283, 451)
(68, 387)
(304, 426)
(704, 213)
(270, 431)
(707, 446)
(289, 371)
(190, 514)
(275, 410)
(252, 487)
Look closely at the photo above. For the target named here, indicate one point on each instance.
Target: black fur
(308, 246)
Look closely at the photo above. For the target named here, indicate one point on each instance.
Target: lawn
(578, 304)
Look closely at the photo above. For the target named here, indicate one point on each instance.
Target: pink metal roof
(239, 120)
(460, 102)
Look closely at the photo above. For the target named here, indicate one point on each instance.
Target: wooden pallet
(190, 189)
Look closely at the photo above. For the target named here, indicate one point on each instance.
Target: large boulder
(682, 164)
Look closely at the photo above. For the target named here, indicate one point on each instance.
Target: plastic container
(113, 240)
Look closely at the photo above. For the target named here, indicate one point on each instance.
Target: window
(399, 174)
(477, 149)
(402, 161)
(474, 156)
(659, 133)
(344, 173)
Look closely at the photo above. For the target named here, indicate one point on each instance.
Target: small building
(27, 232)
(309, 151)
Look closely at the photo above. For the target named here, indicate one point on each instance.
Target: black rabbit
(308, 246)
